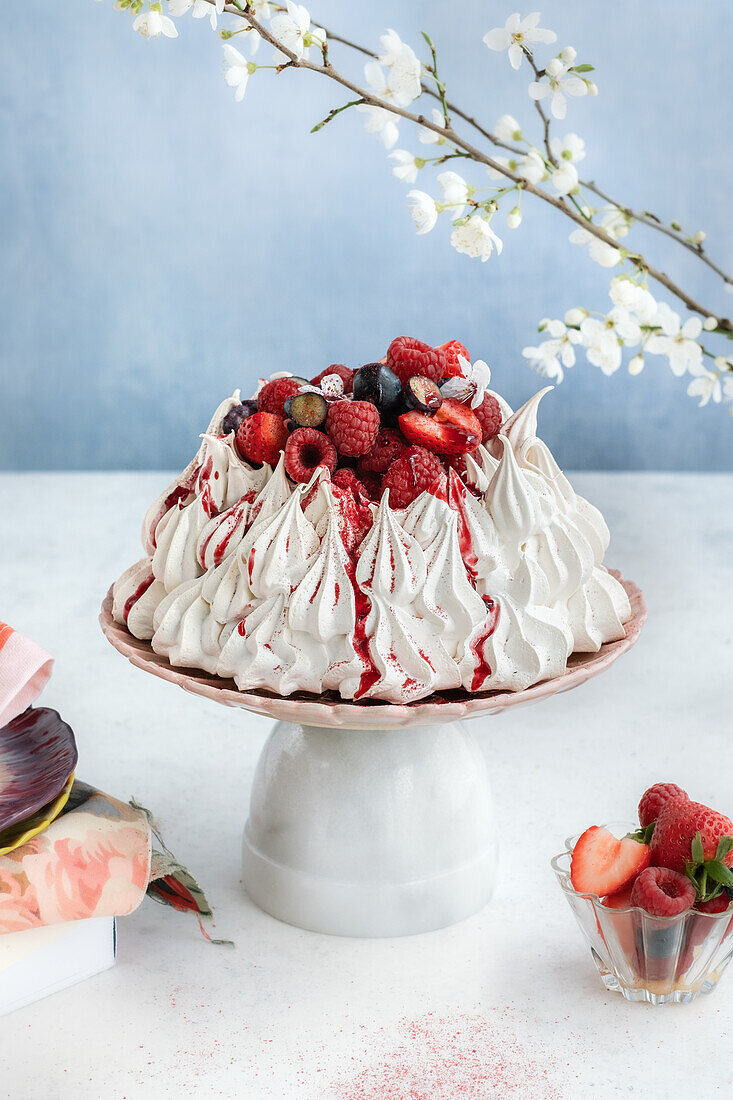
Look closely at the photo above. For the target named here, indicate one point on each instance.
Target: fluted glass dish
(645, 958)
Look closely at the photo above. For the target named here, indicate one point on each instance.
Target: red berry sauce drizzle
(132, 600)
(456, 497)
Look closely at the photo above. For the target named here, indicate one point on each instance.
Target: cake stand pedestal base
(364, 832)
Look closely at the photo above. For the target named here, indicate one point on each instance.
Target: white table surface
(506, 1004)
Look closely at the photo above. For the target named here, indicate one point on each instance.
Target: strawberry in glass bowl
(654, 900)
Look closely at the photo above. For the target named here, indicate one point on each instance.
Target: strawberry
(601, 864)
(621, 899)
(452, 430)
(693, 839)
(451, 351)
(261, 437)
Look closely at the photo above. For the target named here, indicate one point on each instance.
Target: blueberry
(422, 394)
(307, 410)
(236, 415)
(378, 385)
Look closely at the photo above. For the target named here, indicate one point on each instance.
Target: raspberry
(409, 475)
(274, 394)
(305, 450)
(344, 373)
(353, 426)
(388, 446)
(451, 351)
(662, 892)
(261, 437)
(347, 479)
(407, 357)
(655, 799)
(489, 417)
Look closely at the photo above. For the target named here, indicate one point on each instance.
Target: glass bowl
(646, 958)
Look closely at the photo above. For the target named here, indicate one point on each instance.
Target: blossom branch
(449, 134)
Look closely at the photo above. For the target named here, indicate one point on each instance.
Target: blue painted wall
(163, 244)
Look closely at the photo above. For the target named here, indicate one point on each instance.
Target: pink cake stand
(371, 819)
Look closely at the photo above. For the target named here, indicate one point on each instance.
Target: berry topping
(452, 430)
(261, 437)
(451, 351)
(717, 904)
(601, 864)
(620, 900)
(421, 393)
(236, 415)
(347, 479)
(353, 426)
(489, 417)
(655, 799)
(345, 374)
(388, 446)
(274, 394)
(409, 475)
(673, 842)
(379, 385)
(407, 357)
(305, 450)
(308, 410)
(662, 892)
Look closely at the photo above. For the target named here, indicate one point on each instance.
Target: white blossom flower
(423, 209)
(470, 386)
(604, 254)
(559, 84)
(378, 120)
(601, 344)
(455, 192)
(549, 357)
(508, 129)
(201, 9)
(293, 29)
(616, 222)
(564, 178)
(625, 326)
(151, 24)
(404, 66)
(262, 11)
(531, 167)
(678, 342)
(571, 148)
(406, 165)
(517, 33)
(236, 70)
(476, 238)
(705, 385)
(429, 137)
(492, 173)
(728, 387)
(634, 298)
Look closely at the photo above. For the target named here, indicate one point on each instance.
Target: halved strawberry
(620, 900)
(452, 430)
(451, 351)
(601, 864)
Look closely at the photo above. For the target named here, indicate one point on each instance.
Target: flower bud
(636, 365)
(592, 88)
(568, 55)
(710, 323)
(514, 218)
(575, 316)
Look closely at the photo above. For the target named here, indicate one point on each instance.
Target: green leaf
(583, 68)
(718, 872)
(643, 834)
(698, 852)
(725, 844)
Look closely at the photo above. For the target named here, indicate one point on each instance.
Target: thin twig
(327, 69)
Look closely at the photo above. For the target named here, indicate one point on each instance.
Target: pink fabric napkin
(92, 861)
(25, 670)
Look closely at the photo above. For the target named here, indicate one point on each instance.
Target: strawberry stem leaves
(709, 876)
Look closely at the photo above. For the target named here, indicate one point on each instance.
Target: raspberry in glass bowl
(654, 901)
